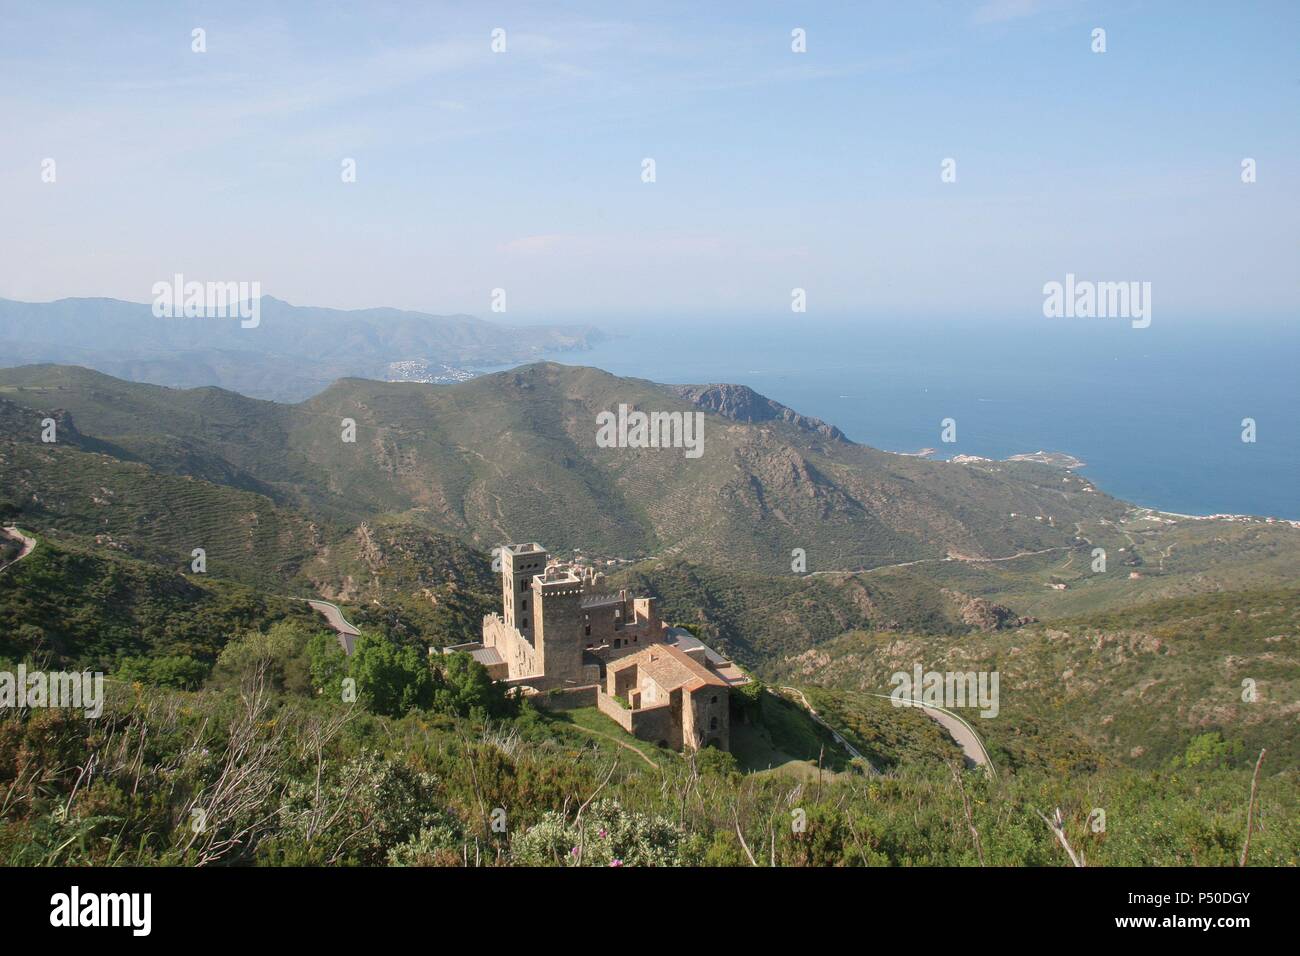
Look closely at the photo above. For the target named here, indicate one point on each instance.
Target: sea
(1157, 414)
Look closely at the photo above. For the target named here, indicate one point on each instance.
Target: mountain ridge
(294, 352)
(514, 454)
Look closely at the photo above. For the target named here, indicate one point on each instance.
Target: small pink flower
(602, 834)
(616, 863)
(573, 852)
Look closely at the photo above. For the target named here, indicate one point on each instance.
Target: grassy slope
(65, 605)
(1131, 685)
(536, 767)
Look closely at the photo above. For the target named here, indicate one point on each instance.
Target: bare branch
(1250, 811)
(1057, 826)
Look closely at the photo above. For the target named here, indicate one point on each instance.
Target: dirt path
(622, 743)
(951, 557)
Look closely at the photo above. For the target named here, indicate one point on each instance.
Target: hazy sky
(774, 169)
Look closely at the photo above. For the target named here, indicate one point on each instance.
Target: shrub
(608, 835)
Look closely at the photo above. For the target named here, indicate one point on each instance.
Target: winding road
(29, 544)
(957, 727)
(835, 734)
(347, 633)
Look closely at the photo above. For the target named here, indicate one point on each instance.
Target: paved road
(29, 544)
(960, 731)
(347, 633)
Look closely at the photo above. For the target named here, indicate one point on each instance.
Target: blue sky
(522, 170)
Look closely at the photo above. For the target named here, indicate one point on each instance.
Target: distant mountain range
(292, 354)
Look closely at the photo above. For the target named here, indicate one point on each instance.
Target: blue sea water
(1156, 413)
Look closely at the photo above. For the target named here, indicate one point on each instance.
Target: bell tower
(519, 564)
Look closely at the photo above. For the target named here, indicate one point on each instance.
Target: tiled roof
(671, 668)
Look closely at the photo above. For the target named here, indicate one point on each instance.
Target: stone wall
(614, 710)
(522, 660)
(706, 717)
(658, 725)
(557, 626)
(566, 698)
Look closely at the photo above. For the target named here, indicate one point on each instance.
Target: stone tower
(519, 564)
(558, 624)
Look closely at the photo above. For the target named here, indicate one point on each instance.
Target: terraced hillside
(71, 486)
(70, 606)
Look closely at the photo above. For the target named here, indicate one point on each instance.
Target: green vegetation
(69, 606)
(763, 488)
(1120, 686)
(890, 737)
(759, 617)
(282, 778)
(1148, 696)
(176, 670)
(409, 583)
(769, 732)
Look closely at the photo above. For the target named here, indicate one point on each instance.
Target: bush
(608, 836)
(372, 808)
(177, 670)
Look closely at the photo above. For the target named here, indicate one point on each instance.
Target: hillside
(1132, 686)
(401, 521)
(76, 486)
(73, 607)
(514, 455)
(758, 618)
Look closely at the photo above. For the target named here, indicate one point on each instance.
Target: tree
(1210, 749)
(282, 649)
(391, 680)
(463, 687)
(328, 665)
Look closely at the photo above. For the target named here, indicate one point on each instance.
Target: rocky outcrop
(985, 615)
(742, 404)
